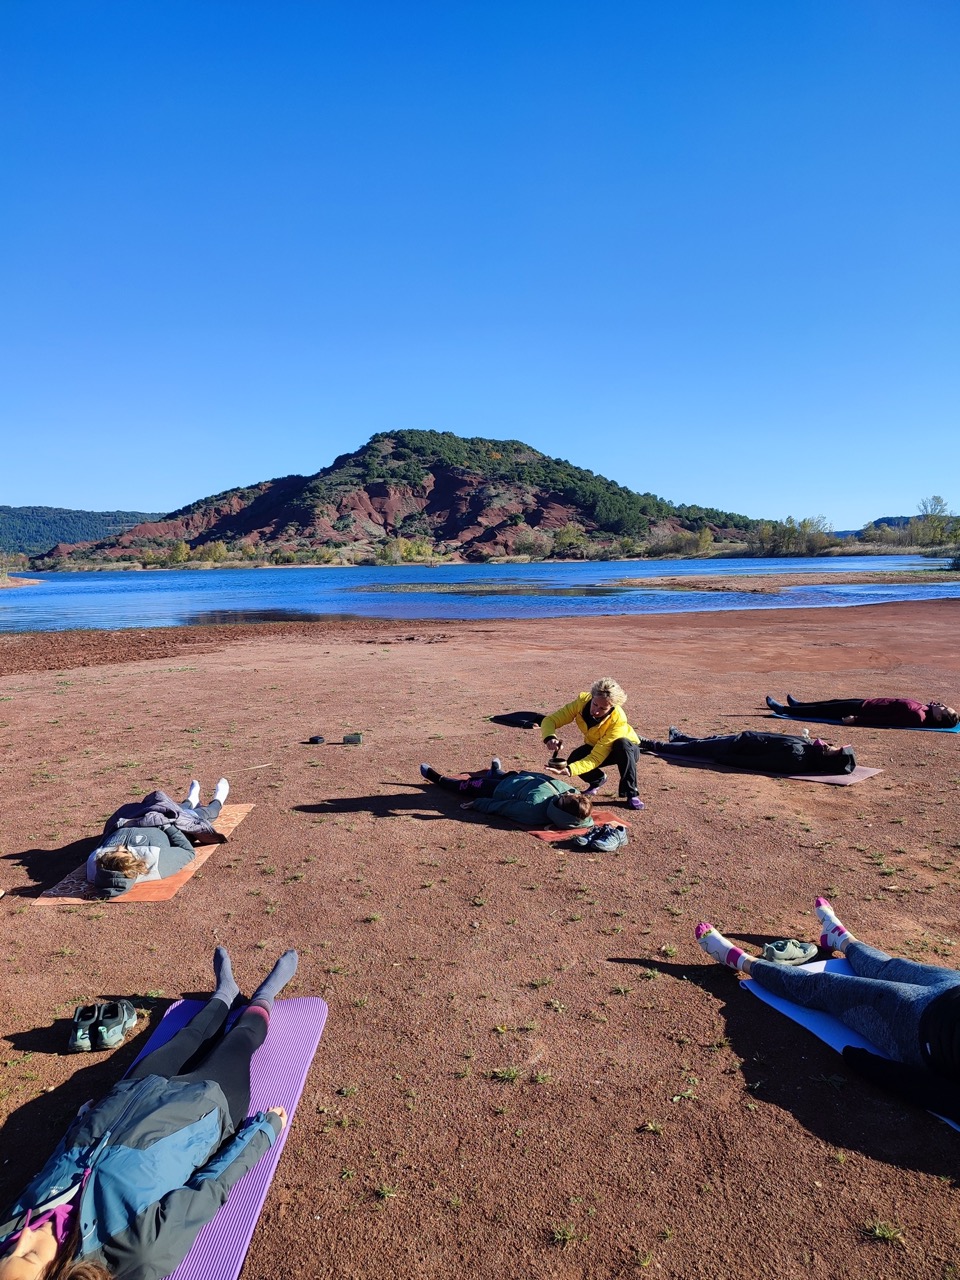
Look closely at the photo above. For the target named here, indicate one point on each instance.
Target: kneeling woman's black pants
(623, 754)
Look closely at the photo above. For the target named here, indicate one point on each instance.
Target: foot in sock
(227, 989)
(834, 935)
(276, 979)
(720, 948)
(193, 795)
(221, 790)
(429, 773)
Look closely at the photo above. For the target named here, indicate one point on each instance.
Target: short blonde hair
(607, 687)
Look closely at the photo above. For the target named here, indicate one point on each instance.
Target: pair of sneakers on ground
(101, 1026)
(606, 838)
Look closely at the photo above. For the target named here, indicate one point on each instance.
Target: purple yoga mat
(278, 1073)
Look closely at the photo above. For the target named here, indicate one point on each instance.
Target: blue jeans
(883, 999)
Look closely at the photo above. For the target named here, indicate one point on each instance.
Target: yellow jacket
(601, 737)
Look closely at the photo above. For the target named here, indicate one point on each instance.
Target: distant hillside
(416, 495)
(34, 529)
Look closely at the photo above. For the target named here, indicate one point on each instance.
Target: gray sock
(227, 989)
(276, 979)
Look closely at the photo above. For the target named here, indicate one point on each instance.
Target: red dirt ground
(662, 1120)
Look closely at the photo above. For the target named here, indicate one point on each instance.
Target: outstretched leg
(211, 810)
(203, 1028)
(470, 788)
(886, 1013)
(228, 1062)
(829, 708)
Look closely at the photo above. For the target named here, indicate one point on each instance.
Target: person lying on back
(784, 753)
(150, 842)
(534, 799)
(881, 713)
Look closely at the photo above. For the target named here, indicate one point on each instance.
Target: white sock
(221, 790)
(718, 947)
(834, 935)
(193, 795)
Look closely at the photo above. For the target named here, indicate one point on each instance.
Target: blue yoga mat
(910, 728)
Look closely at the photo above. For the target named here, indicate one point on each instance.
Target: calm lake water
(111, 601)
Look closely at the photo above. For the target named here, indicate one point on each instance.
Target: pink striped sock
(718, 947)
(834, 935)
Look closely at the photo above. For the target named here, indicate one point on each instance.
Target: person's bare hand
(278, 1111)
(848, 720)
(467, 804)
(559, 770)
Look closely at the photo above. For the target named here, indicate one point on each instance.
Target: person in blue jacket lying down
(138, 1174)
(534, 799)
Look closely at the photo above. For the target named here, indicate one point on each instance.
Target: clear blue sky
(708, 248)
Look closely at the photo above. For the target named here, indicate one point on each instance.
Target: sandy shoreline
(772, 584)
(654, 1102)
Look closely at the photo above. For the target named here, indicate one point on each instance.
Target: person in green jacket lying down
(535, 799)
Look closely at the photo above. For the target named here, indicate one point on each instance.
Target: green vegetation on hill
(406, 457)
(35, 529)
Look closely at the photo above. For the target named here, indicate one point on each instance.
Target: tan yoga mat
(74, 889)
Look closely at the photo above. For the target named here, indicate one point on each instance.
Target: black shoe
(674, 735)
(775, 706)
(646, 744)
(791, 701)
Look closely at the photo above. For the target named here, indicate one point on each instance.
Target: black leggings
(208, 1055)
(623, 754)
(831, 708)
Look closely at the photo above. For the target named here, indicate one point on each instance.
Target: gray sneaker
(608, 838)
(115, 1020)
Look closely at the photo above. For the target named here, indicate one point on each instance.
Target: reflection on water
(231, 617)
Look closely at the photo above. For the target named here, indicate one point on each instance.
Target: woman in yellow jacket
(607, 739)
